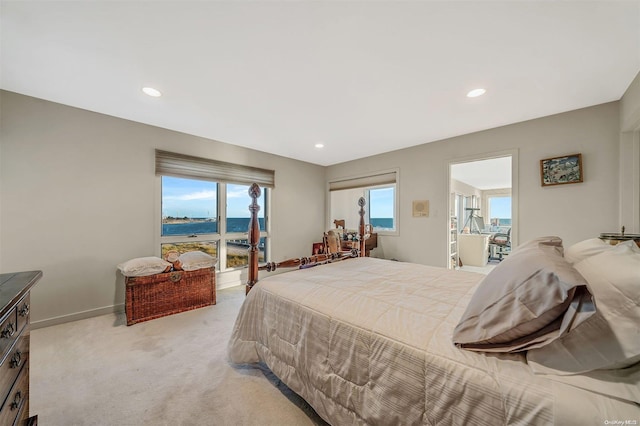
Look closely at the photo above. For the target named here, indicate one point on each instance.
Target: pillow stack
(528, 301)
(611, 338)
(577, 314)
(144, 266)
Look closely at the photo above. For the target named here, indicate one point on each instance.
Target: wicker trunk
(159, 295)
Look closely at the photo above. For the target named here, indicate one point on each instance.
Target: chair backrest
(502, 239)
(368, 229)
(332, 242)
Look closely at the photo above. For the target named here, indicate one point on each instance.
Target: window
(382, 208)
(190, 220)
(381, 195)
(499, 212)
(203, 209)
(189, 216)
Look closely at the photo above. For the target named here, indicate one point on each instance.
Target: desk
(473, 249)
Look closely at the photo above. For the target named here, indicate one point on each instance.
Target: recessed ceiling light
(475, 93)
(152, 92)
(319, 145)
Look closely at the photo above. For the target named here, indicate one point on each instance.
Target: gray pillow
(533, 297)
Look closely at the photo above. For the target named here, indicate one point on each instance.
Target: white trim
(515, 184)
(636, 181)
(629, 182)
(113, 309)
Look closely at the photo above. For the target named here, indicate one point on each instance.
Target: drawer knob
(16, 360)
(24, 311)
(16, 400)
(9, 330)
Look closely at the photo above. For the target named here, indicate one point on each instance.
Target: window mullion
(222, 226)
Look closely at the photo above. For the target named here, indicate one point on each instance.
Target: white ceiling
(493, 173)
(361, 77)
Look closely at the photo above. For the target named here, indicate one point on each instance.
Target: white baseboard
(114, 309)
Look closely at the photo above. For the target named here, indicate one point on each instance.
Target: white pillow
(586, 248)
(194, 260)
(610, 339)
(143, 266)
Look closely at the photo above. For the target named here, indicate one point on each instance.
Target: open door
(482, 206)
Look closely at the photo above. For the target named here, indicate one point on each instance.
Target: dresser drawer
(8, 332)
(22, 311)
(16, 404)
(13, 363)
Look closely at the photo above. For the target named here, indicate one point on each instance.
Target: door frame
(513, 153)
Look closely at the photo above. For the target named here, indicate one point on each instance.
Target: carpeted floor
(168, 371)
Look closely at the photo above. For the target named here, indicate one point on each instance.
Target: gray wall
(574, 212)
(80, 195)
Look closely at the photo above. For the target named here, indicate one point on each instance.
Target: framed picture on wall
(561, 170)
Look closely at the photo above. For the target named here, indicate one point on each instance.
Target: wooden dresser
(14, 347)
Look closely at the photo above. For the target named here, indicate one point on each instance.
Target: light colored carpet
(168, 371)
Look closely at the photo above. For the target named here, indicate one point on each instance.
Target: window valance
(382, 178)
(187, 166)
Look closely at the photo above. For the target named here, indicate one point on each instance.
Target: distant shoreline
(188, 220)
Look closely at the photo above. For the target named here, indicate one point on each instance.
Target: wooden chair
(331, 242)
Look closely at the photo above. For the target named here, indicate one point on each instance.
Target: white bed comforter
(368, 341)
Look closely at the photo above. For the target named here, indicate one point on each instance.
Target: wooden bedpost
(361, 203)
(318, 259)
(253, 237)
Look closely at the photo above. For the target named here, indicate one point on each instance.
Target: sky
(198, 198)
(501, 207)
(381, 203)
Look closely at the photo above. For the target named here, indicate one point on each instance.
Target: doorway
(483, 203)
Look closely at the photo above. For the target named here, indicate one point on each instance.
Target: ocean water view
(236, 224)
(204, 226)
(382, 222)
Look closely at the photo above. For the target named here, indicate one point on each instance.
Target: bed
(370, 341)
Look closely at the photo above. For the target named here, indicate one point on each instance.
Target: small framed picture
(318, 248)
(420, 208)
(561, 170)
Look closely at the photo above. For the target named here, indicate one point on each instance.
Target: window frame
(365, 182)
(496, 193)
(222, 236)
